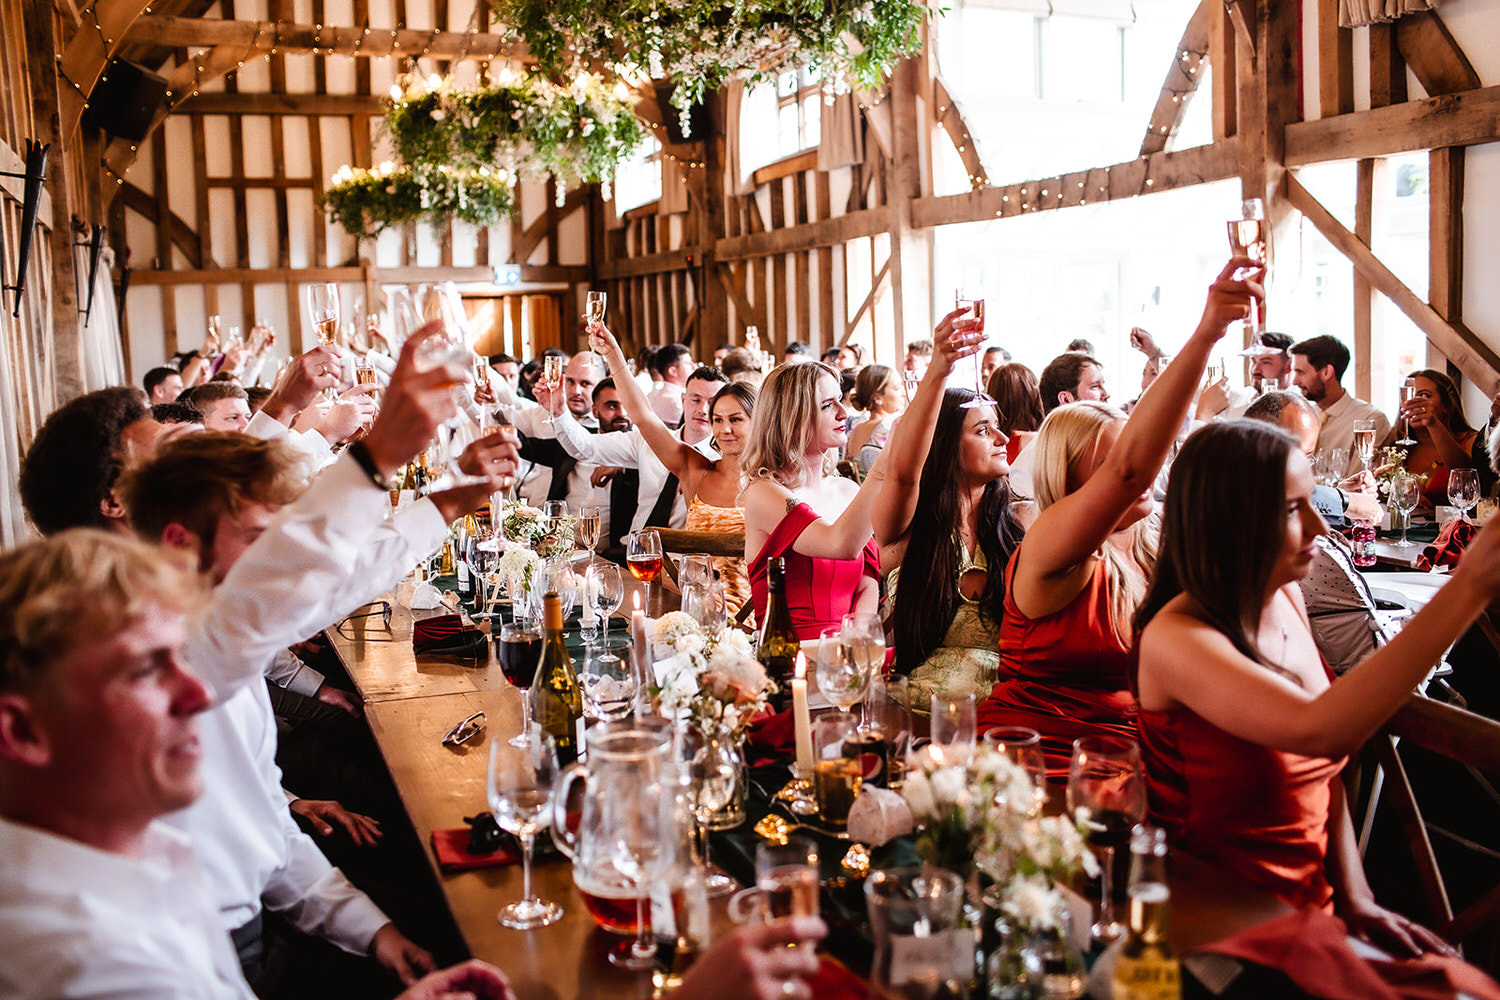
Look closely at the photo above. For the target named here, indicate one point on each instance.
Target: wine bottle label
(579, 739)
(1147, 977)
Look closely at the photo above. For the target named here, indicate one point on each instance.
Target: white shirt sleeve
(287, 671)
(317, 898)
(619, 448)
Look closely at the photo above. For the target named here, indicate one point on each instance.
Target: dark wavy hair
(927, 595)
(1222, 527)
(72, 464)
(1015, 388)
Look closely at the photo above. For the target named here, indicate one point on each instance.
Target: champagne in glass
(481, 372)
(787, 877)
(1408, 393)
(588, 527)
(1247, 238)
(364, 372)
(974, 320)
(323, 308)
(593, 309)
(552, 376)
(1364, 442)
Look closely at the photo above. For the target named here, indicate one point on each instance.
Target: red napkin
(1448, 547)
(446, 634)
(452, 850)
(771, 738)
(1311, 948)
(834, 981)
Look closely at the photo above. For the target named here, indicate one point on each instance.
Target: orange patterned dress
(706, 517)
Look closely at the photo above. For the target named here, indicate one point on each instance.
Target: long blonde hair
(1068, 437)
(785, 414)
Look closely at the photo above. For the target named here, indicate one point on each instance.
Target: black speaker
(697, 116)
(125, 100)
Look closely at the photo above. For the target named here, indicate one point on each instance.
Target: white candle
(802, 718)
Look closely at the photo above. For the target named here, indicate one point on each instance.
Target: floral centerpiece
(984, 811)
(710, 679)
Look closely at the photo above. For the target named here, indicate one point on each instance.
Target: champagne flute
(552, 376)
(604, 589)
(974, 319)
(593, 308)
(864, 634)
(442, 302)
(1406, 493)
(588, 528)
(1408, 393)
(553, 511)
(1247, 238)
(1106, 778)
(520, 788)
(323, 309)
(520, 653)
(643, 557)
(1463, 490)
(1364, 442)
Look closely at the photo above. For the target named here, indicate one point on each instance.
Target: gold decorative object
(856, 861)
(773, 828)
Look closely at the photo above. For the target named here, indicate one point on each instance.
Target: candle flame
(636, 598)
(800, 672)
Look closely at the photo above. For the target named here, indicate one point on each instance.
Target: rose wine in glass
(552, 376)
(1408, 393)
(593, 307)
(1247, 238)
(973, 318)
(643, 557)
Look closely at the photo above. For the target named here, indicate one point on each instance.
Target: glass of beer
(837, 775)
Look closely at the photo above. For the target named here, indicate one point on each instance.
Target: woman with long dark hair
(947, 460)
(1244, 729)
(1444, 439)
(1015, 388)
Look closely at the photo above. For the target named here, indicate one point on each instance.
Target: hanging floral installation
(698, 45)
(462, 149)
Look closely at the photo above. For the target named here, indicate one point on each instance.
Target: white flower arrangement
(984, 812)
(521, 523)
(710, 679)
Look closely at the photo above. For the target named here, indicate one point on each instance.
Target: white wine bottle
(1147, 967)
(555, 693)
(778, 645)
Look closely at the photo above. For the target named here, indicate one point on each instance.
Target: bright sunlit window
(781, 119)
(638, 181)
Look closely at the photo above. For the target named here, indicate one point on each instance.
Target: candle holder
(95, 243)
(35, 175)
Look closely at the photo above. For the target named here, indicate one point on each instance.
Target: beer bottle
(555, 692)
(778, 645)
(1146, 967)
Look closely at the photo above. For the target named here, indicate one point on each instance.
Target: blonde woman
(798, 510)
(881, 395)
(1076, 579)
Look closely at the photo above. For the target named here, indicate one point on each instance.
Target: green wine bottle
(778, 645)
(556, 694)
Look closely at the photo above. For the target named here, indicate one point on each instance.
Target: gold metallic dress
(968, 661)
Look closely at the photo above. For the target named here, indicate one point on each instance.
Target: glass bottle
(778, 645)
(556, 697)
(1147, 967)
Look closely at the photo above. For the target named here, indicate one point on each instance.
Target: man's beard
(1315, 394)
(617, 424)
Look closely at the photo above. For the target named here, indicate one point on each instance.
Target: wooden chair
(848, 470)
(729, 544)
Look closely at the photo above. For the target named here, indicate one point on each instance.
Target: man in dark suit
(618, 487)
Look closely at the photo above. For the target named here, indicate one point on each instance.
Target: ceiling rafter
(1183, 77)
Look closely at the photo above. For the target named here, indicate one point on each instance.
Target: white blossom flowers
(711, 679)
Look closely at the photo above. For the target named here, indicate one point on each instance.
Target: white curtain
(102, 356)
(1357, 13)
(839, 142)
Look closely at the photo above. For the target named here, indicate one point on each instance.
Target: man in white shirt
(583, 372)
(658, 500)
(675, 362)
(99, 737)
(224, 405)
(1318, 366)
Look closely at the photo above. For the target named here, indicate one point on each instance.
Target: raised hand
(416, 403)
(302, 380)
(953, 339)
(1231, 299)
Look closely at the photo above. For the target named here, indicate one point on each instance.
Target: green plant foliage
(698, 45)
(365, 202)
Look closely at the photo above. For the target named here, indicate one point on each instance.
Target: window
(781, 119)
(638, 181)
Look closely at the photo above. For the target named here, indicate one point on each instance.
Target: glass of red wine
(520, 652)
(643, 556)
(1106, 778)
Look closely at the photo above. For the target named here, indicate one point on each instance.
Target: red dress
(1260, 813)
(819, 592)
(1065, 675)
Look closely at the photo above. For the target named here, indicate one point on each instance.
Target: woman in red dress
(1243, 727)
(797, 508)
(1078, 575)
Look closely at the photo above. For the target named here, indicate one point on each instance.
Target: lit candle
(802, 718)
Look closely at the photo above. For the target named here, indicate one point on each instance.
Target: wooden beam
(951, 118)
(1445, 235)
(1448, 120)
(1335, 62)
(1368, 330)
(548, 275)
(181, 234)
(1182, 79)
(532, 236)
(656, 263)
(99, 36)
(881, 277)
(828, 232)
(732, 280)
(282, 104)
(1387, 69)
(1221, 56)
(1476, 359)
(786, 167)
(186, 32)
(1145, 175)
(1436, 59)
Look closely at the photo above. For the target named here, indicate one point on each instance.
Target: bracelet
(361, 455)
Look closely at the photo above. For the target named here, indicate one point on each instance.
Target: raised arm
(1075, 526)
(911, 439)
(766, 502)
(1187, 662)
(680, 459)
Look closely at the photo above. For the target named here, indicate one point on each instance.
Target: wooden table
(411, 703)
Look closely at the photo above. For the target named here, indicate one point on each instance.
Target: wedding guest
(1243, 729)
(882, 396)
(676, 365)
(741, 365)
(1014, 387)
(1295, 415)
(1068, 378)
(796, 352)
(1318, 366)
(163, 385)
(1079, 345)
(224, 405)
(578, 479)
(720, 353)
(945, 527)
(799, 510)
(1445, 441)
(918, 357)
(991, 362)
(507, 368)
(1078, 576)
(69, 471)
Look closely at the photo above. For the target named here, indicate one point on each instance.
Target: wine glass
(608, 684)
(954, 726)
(713, 773)
(1247, 238)
(520, 789)
(323, 310)
(588, 527)
(593, 308)
(636, 854)
(604, 590)
(1023, 747)
(441, 302)
(643, 557)
(1105, 777)
(974, 320)
(841, 677)
(520, 653)
(1463, 490)
(864, 633)
(552, 376)
(1408, 393)
(1406, 493)
(1364, 442)
(553, 511)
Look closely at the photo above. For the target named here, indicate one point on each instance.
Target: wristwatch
(361, 455)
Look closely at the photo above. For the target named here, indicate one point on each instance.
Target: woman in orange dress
(1244, 729)
(711, 486)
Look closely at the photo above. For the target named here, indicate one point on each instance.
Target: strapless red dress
(819, 592)
(1065, 675)
(1259, 813)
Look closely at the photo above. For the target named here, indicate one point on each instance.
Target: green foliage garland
(700, 44)
(365, 202)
